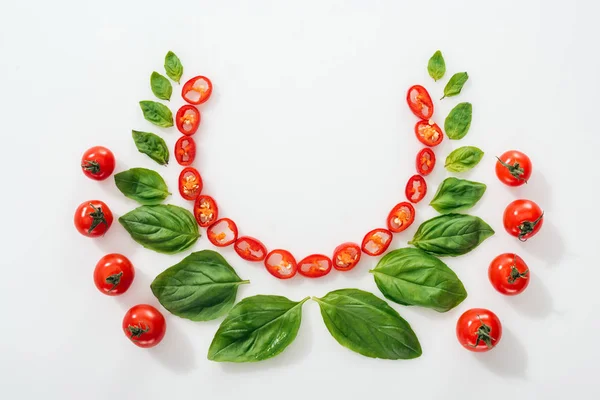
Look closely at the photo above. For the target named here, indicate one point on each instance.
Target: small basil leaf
(455, 84)
(157, 113)
(362, 322)
(436, 67)
(457, 195)
(152, 145)
(412, 277)
(257, 328)
(463, 159)
(458, 121)
(142, 185)
(173, 66)
(161, 87)
(201, 287)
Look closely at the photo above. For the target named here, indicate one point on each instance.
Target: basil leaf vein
(157, 113)
(458, 121)
(455, 194)
(436, 67)
(142, 185)
(161, 87)
(463, 159)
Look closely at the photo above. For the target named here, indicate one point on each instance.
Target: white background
(306, 142)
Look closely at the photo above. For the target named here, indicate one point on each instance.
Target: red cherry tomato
(425, 161)
(281, 264)
(93, 218)
(315, 266)
(144, 325)
(197, 90)
(98, 163)
(478, 330)
(190, 183)
(222, 232)
(346, 256)
(419, 101)
(206, 210)
(250, 249)
(523, 219)
(509, 274)
(513, 168)
(377, 242)
(187, 119)
(113, 274)
(401, 217)
(416, 189)
(185, 150)
(429, 133)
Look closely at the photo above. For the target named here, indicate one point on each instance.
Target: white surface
(306, 142)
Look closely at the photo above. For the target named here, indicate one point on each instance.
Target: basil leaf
(201, 287)
(257, 328)
(436, 67)
(163, 228)
(157, 113)
(364, 323)
(173, 66)
(451, 234)
(161, 87)
(142, 185)
(457, 194)
(414, 278)
(455, 84)
(463, 159)
(458, 121)
(152, 145)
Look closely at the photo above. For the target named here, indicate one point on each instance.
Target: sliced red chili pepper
(223, 232)
(197, 90)
(429, 133)
(315, 266)
(281, 264)
(419, 102)
(206, 210)
(377, 241)
(416, 188)
(185, 151)
(425, 161)
(190, 183)
(250, 249)
(187, 119)
(346, 256)
(401, 217)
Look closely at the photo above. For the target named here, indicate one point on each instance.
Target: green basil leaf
(257, 328)
(458, 122)
(157, 113)
(364, 323)
(201, 287)
(412, 277)
(457, 195)
(455, 84)
(436, 67)
(173, 66)
(142, 185)
(451, 234)
(152, 145)
(463, 159)
(161, 87)
(163, 228)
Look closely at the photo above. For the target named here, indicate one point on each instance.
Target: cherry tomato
(187, 119)
(93, 218)
(222, 232)
(250, 249)
(185, 150)
(98, 163)
(190, 183)
(419, 102)
(509, 274)
(377, 242)
(478, 330)
(513, 168)
(346, 256)
(144, 325)
(315, 266)
(416, 189)
(425, 161)
(205, 210)
(197, 90)
(429, 133)
(523, 219)
(281, 264)
(113, 274)
(401, 217)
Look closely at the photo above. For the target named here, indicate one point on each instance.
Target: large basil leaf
(364, 323)
(455, 84)
(456, 195)
(142, 185)
(157, 113)
(161, 87)
(152, 145)
(163, 228)
(458, 121)
(257, 328)
(436, 67)
(203, 286)
(173, 66)
(414, 278)
(451, 234)
(463, 159)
